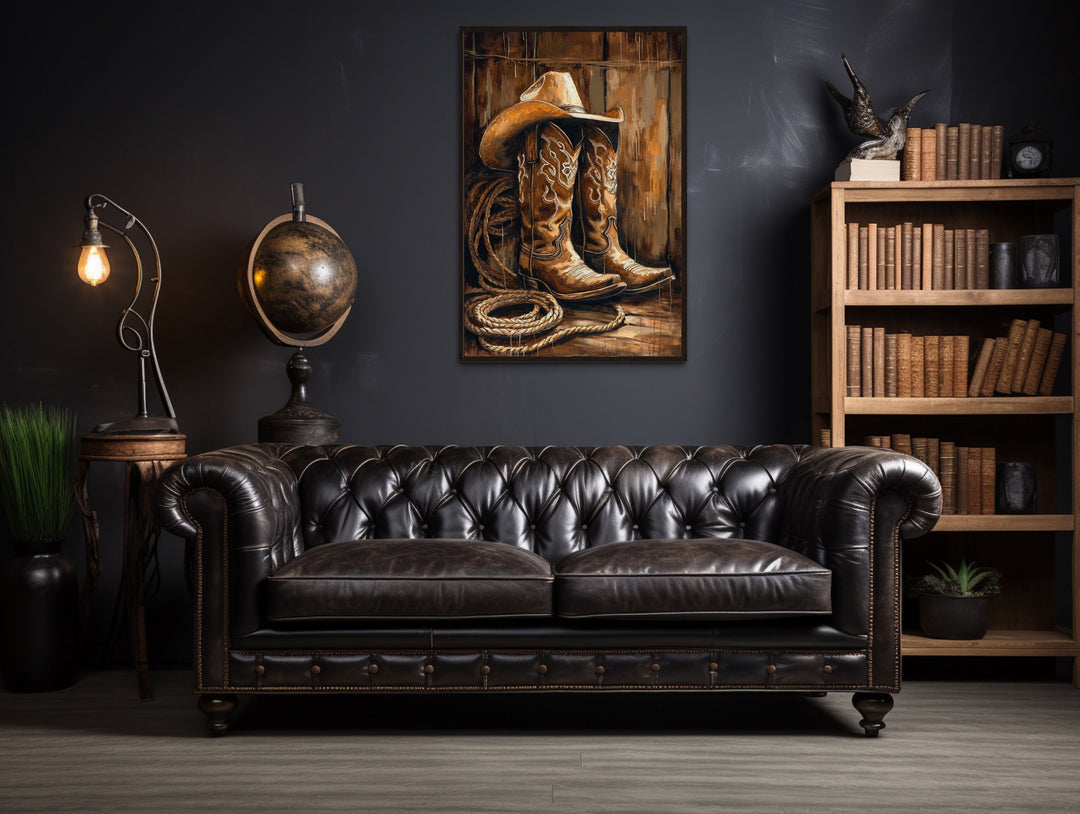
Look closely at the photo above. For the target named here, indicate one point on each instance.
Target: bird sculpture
(884, 138)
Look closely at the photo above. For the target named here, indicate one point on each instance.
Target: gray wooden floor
(953, 747)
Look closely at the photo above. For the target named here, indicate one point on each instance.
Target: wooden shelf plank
(998, 405)
(1005, 190)
(996, 643)
(1012, 297)
(1005, 522)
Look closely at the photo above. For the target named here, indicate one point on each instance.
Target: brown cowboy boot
(600, 246)
(547, 168)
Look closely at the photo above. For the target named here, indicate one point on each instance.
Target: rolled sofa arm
(241, 508)
(849, 508)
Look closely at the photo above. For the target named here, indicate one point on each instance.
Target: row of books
(968, 474)
(901, 365)
(917, 256)
(958, 152)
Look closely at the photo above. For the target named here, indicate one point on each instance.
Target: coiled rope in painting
(491, 201)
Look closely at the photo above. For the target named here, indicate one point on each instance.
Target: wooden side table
(146, 457)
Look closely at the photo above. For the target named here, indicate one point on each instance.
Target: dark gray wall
(197, 116)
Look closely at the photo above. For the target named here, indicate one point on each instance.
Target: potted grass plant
(38, 591)
(954, 603)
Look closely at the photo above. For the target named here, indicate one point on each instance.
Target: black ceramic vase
(954, 617)
(40, 613)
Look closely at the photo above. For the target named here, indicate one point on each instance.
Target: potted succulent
(954, 603)
(38, 591)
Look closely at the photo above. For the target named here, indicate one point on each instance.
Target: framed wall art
(573, 194)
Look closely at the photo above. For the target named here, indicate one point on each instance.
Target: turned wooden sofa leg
(217, 709)
(873, 706)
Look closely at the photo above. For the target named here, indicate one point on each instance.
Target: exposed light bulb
(93, 265)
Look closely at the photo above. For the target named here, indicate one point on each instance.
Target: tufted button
(599, 669)
(423, 527)
(315, 669)
(770, 669)
(429, 668)
(688, 527)
(480, 527)
(655, 667)
(542, 669)
(373, 668)
(260, 670)
(485, 670)
(584, 526)
(532, 526)
(713, 666)
(828, 668)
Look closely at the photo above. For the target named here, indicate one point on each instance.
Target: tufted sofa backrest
(549, 500)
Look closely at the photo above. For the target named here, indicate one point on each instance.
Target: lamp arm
(145, 348)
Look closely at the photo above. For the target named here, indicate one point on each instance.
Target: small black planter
(954, 617)
(40, 614)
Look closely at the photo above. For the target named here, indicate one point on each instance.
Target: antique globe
(299, 283)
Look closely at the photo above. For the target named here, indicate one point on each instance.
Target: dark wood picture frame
(637, 75)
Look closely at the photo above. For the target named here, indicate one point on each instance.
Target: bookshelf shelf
(936, 308)
(998, 405)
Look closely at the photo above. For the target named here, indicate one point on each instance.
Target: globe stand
(299, 422)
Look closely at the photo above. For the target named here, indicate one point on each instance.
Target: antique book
(864, 257)
(976, 152)
(997, 361)
(890, 258)
(871, 256)
(1012, 355)
(982, 258)
(910, 169)
(938, 250)
(933, 455)
(854, 360)
(1038, 362)
(988, 479)
(947, 475)
(987, 152)
(963, 156)
(867, 378)
(1053, 362)
(927, 245)
(945, 366)
(907, 245)
(962, 480)
(942, 141)
(928, 170)
(920, 449)
(952, 153)
(960, 260)
(825, 437)
(903, 365)
(974, 478)
(982, 365)
(969, 254)
(961, 352)
(881, 244)
(1023, 361)
(930, 366)
(902, 443)
(879, 362)
(918, 367)
(916, 256)
(890, 365)
(997, 147)
(853, 255)
(949, 266)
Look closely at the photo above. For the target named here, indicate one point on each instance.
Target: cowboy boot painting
(547, 171)
(597, 186)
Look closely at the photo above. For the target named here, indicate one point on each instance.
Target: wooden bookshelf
(1026, 617)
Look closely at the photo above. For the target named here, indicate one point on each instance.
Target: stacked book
(917, 256)
(946, 153)
(901, 365)
(967, 473)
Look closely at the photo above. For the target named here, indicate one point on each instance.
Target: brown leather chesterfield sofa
(354, 569)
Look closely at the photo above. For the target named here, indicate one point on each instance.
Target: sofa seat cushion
(691, 579)
(411, 579)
